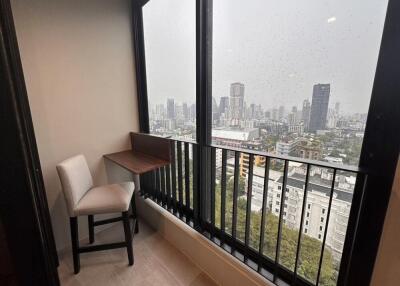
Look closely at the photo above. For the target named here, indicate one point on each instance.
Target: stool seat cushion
(105, 199)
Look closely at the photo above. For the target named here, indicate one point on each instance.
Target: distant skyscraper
(305, 113)
(185, 111)
(258, 111)
(160, 112)
(275, 114)
(281, 112)
(192, 112)
(293, 117)
(170, 108)
(331, 118)
(337, 108)
(214, 109)
(214, 105)
(179, 112)
(252, 111)
(236, 103)
(319, 107)
(224, 104)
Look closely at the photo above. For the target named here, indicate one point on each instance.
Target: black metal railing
(172, 186)
(288, 234)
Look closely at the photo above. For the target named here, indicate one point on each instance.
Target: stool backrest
(75, 179)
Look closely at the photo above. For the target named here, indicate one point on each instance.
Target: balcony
(77, 78)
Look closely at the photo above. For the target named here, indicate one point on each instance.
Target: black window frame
(380, 145)
(24, 212)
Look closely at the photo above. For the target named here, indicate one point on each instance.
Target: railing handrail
(169, 137)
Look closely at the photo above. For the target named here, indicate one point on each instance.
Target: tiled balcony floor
(157, 262)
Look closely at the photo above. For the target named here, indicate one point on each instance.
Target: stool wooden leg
(133, 203)
(75, 243)
(128, 236)
(136, 226)
(91, 228)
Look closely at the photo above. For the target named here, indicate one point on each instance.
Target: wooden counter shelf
(148, 153)
(136, 162)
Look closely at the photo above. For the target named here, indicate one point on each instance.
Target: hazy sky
(278, 49)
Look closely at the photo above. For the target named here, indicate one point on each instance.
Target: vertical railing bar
(160, 189)
(326, 225)
(168, 174)
(196, 210)
(153, 191)
(180, 183)
(149, 184)
(173, 167)
(144, 185)
(212, 190)
(249, 198)
(192, 168)
(223, 193)
(264, 210)
(296, 264)
(158, 192)
(249, 195)
(278, 242)
(235, 196)
(187, 178)
(163, 188)
(143, 190)
(154, 185)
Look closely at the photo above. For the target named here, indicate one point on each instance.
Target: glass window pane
(170, 50)
(294, 77)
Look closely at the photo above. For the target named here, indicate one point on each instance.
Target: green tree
(310, 249)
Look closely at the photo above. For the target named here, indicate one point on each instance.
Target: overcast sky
(278, 49)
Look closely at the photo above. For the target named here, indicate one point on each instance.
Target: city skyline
(317, 131)
(336, 105)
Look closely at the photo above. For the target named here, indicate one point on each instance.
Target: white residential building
(285, 147)
(316, 206)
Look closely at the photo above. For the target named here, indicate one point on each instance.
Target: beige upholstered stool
(84, 199)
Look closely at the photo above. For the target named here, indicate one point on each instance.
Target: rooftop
(317, 184)
(236, 134)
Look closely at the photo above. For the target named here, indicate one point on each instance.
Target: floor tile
(157, 262)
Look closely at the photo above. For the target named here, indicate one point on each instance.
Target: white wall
(79, 70)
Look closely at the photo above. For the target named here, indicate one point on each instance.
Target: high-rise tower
(319, 107)
(170, 108)
(236, 103)
(305, 113)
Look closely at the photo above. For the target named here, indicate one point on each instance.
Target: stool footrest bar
(106, 221)
(100, 247)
